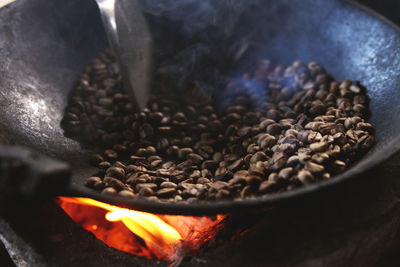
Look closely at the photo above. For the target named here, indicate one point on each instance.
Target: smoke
(201, 41)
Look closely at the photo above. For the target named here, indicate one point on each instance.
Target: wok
(44, 45)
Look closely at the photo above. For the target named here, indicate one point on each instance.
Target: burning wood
(164, 237)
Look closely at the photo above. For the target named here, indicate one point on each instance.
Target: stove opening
(162, 237)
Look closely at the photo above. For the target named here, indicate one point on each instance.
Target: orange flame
(165, 237)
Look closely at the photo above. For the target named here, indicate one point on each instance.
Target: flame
(164, 237)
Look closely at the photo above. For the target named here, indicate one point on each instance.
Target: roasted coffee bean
(146, 192)
(222, 194)
(246, 192)
(172, 151)
(314, 167)
(115, 183)
(109, 191)
(111, 154)
(277, 161)
(253, 180)
(126, 193)
(150, 150)
(285, 173)
(305, 177)
(104, 165)
(203, 180)
(116, 172)
(146, 185)
(319, 146)
(184, 152)
(206, 151)
(264, 124)
(314, 125)
(155, 163)
(218, 156)
(274, 128)
(268, 187)
(95, 159)
(365, 142)
(166, 192)
(298, 127)
(197, 159)
(265, 141)
(210, 165)
(320, 158)
(233, 117)
(293, 161)
(258, 156)
(91, 181)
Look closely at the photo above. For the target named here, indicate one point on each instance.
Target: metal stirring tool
(131, 42)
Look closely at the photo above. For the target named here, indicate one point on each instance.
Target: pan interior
(44, 45)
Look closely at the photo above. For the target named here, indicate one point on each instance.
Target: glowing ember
(165, 237)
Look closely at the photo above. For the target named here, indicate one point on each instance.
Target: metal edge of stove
(21, 253)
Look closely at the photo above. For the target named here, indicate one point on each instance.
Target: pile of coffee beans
(272, 130)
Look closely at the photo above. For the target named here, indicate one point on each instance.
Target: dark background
(388, 8)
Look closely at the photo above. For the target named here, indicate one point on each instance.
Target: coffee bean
(197, 159)
(96, 159)
(115, 183)
(298, 127)
(274, 128)
(253, 180)
(305, 177)
(246, 192)
(314, 125)
(211, 165)
(264, 124)
(166, 192)
(150, 150)
(172, 151)
(277, 161)
(145, 192)
(265, 141)
(365, 127)
(116, 172)
(110, 154)
(233, 117)
(285, 173)
(179, 116)
(258, 156)
(146, 130)
(319, 147)
(236, 165)
(268, 187)
(91, 181)
(206, 151)
(244, 131)
(326, 176)
(293, 161)
(320, 158)
(314, 167)
(146, 185)
(366, 142)
(203, 180)
(126, 193)
(155, 163)
(222, 194)
(274, 114)
(109, 191)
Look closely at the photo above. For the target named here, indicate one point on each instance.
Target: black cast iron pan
(44, 45)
